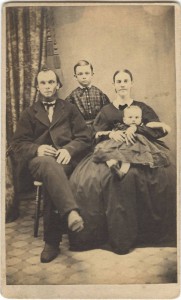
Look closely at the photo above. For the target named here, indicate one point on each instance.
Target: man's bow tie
(49, 107)
(122, 107)
(49, 104)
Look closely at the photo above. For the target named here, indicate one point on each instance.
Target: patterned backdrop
(30, 44)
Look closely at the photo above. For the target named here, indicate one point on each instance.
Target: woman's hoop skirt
(119, 211)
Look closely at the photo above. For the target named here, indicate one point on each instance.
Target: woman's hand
(117, 136)
(101, 133)
(130, 134)
(166, 128)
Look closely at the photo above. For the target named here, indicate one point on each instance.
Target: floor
(146, 265)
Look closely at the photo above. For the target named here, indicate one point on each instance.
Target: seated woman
(121, 212)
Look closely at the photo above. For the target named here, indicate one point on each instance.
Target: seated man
(51, 137)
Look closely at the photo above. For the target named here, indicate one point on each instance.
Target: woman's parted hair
(125, 71)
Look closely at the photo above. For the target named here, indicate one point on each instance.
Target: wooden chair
(39, 188)
(38, 185)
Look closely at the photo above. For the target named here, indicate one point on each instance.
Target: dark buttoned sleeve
(151, 133)
(81, 141)
(23, 141)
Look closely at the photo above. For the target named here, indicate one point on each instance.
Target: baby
(118, 155)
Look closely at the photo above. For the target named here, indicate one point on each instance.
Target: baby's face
(132, 116)
(84, 75)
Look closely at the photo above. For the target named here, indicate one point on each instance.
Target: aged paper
(143, 37)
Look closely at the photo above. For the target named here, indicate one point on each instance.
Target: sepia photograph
(90, 144)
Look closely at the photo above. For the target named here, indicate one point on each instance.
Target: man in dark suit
(51, 137)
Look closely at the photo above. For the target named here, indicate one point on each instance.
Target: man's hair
(83, 63)
(124, 71)
(132, 107)
(45, 69)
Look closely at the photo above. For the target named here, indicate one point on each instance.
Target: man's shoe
(121, 252)
(49, 253)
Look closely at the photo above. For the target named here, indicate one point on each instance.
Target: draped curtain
(28, 36)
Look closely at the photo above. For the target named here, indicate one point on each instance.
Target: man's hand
(118, 136)
(63, 156)
(46, 150)
(130, 134)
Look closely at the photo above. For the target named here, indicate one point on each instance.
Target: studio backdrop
(112, 37)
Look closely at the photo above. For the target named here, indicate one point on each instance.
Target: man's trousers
(58, 197)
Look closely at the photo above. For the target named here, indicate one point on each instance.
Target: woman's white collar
(117, 102)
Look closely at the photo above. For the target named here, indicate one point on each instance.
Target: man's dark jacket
(68, 130)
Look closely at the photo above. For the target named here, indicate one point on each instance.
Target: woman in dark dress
(120, 212)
